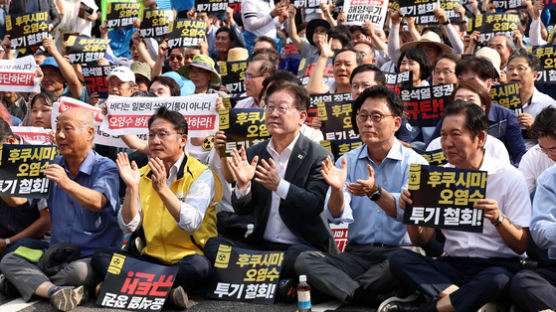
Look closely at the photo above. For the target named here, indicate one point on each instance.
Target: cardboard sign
(186, 33)
(27, 30)
(443, 198)
(243, 127)
(361, 11)
(121, 14)
(508, 4)
(434, 158)
(211, 5)
(95, 79)
(334, 111)
(33, 135)
(424, 106)
(492, 24)
(156, 22)
(19, 75)
(136, 285)
(340, 147)
(547, 57)
(246, 275)
(507, 95)
(306, 66)
(232, 76)
(22, 169)
(130, 115)
(422, 10)
(82, 49)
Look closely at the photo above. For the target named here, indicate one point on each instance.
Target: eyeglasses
(547, 151)
(247, 76)
(282, 109)
(375, 117)
(162, 135)
(174, 56)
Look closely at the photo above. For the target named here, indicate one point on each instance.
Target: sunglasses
(178, 57)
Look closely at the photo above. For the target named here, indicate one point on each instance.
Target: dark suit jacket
(301, 211)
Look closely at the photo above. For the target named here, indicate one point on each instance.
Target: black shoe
(8, 289)
(287, 290)
(409, 304)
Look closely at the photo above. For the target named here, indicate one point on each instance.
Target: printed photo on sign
(246, 275)
(424, 106)
(95, 79)
(443, 198)
(156, 22)
(547, 57)
(22, 169)
(507, 95)
(19, 75)
(186, 33)
(243, 127)
(213, 6)
(82, 49)
(135, 285)
(130, 115)
(121, 14)
(340, 147)
(232, 76)
(422, 10)
(27, 30)
(33, 135)
(361, 11)
(306, 66)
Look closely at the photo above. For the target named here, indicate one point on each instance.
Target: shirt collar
(395, 151)
(176, 166)
(87, 164)
(271, 150)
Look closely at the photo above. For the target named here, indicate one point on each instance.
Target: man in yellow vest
(174, 199)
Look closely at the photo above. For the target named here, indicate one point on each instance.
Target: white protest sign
(33, 135)
(361, 11)
(19, 75)
(130, 115)
(101, 137)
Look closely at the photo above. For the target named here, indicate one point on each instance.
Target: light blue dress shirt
(543, 219)
(368, 223)
(77, 225)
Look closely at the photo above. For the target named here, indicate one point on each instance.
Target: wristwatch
(499, 221)
(7, 241)
(377, 194)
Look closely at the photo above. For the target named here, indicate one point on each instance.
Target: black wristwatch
(377, 194)
(446, 22)
(499, 221)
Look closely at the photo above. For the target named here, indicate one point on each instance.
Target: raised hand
(335, 177)
(243, 170)
(267, 175)
(158, 176)
(128, 172)
(364, 187)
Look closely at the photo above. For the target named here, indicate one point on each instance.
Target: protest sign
(186, 33)
(246, 275)
(232, 76)
(340, 232)
(549, 4)
(95, 79)
(395, 81)
(84, 11)
(156, 22)
(211, 5)
(434, 158)
(444, 197)
(101, 137)
(508, 4)
(135, 285)
(422, 10)
(22, 169)
(340, 147)
(230, 102)
(299, 4)
(33, 135)
(424, 106)
(547, 57)
(243, 127)
(19, 75)
(121, 14)
(448, 7)
(236, 5)
(130, 115)
(82, 49)
(334, 111)
(492, 24)
(289, 50)
(361, 11)
(306, 66)
(27, 30)
(507, 95)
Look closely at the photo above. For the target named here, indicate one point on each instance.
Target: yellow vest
(165, 240)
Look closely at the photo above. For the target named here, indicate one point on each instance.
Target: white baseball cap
(123, 73)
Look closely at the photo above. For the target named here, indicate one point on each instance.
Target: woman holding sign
(475, 267)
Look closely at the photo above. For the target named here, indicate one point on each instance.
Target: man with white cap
(121, 81)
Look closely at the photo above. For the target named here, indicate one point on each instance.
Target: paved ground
(203, 305)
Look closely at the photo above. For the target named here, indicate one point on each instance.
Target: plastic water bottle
(303, 295)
